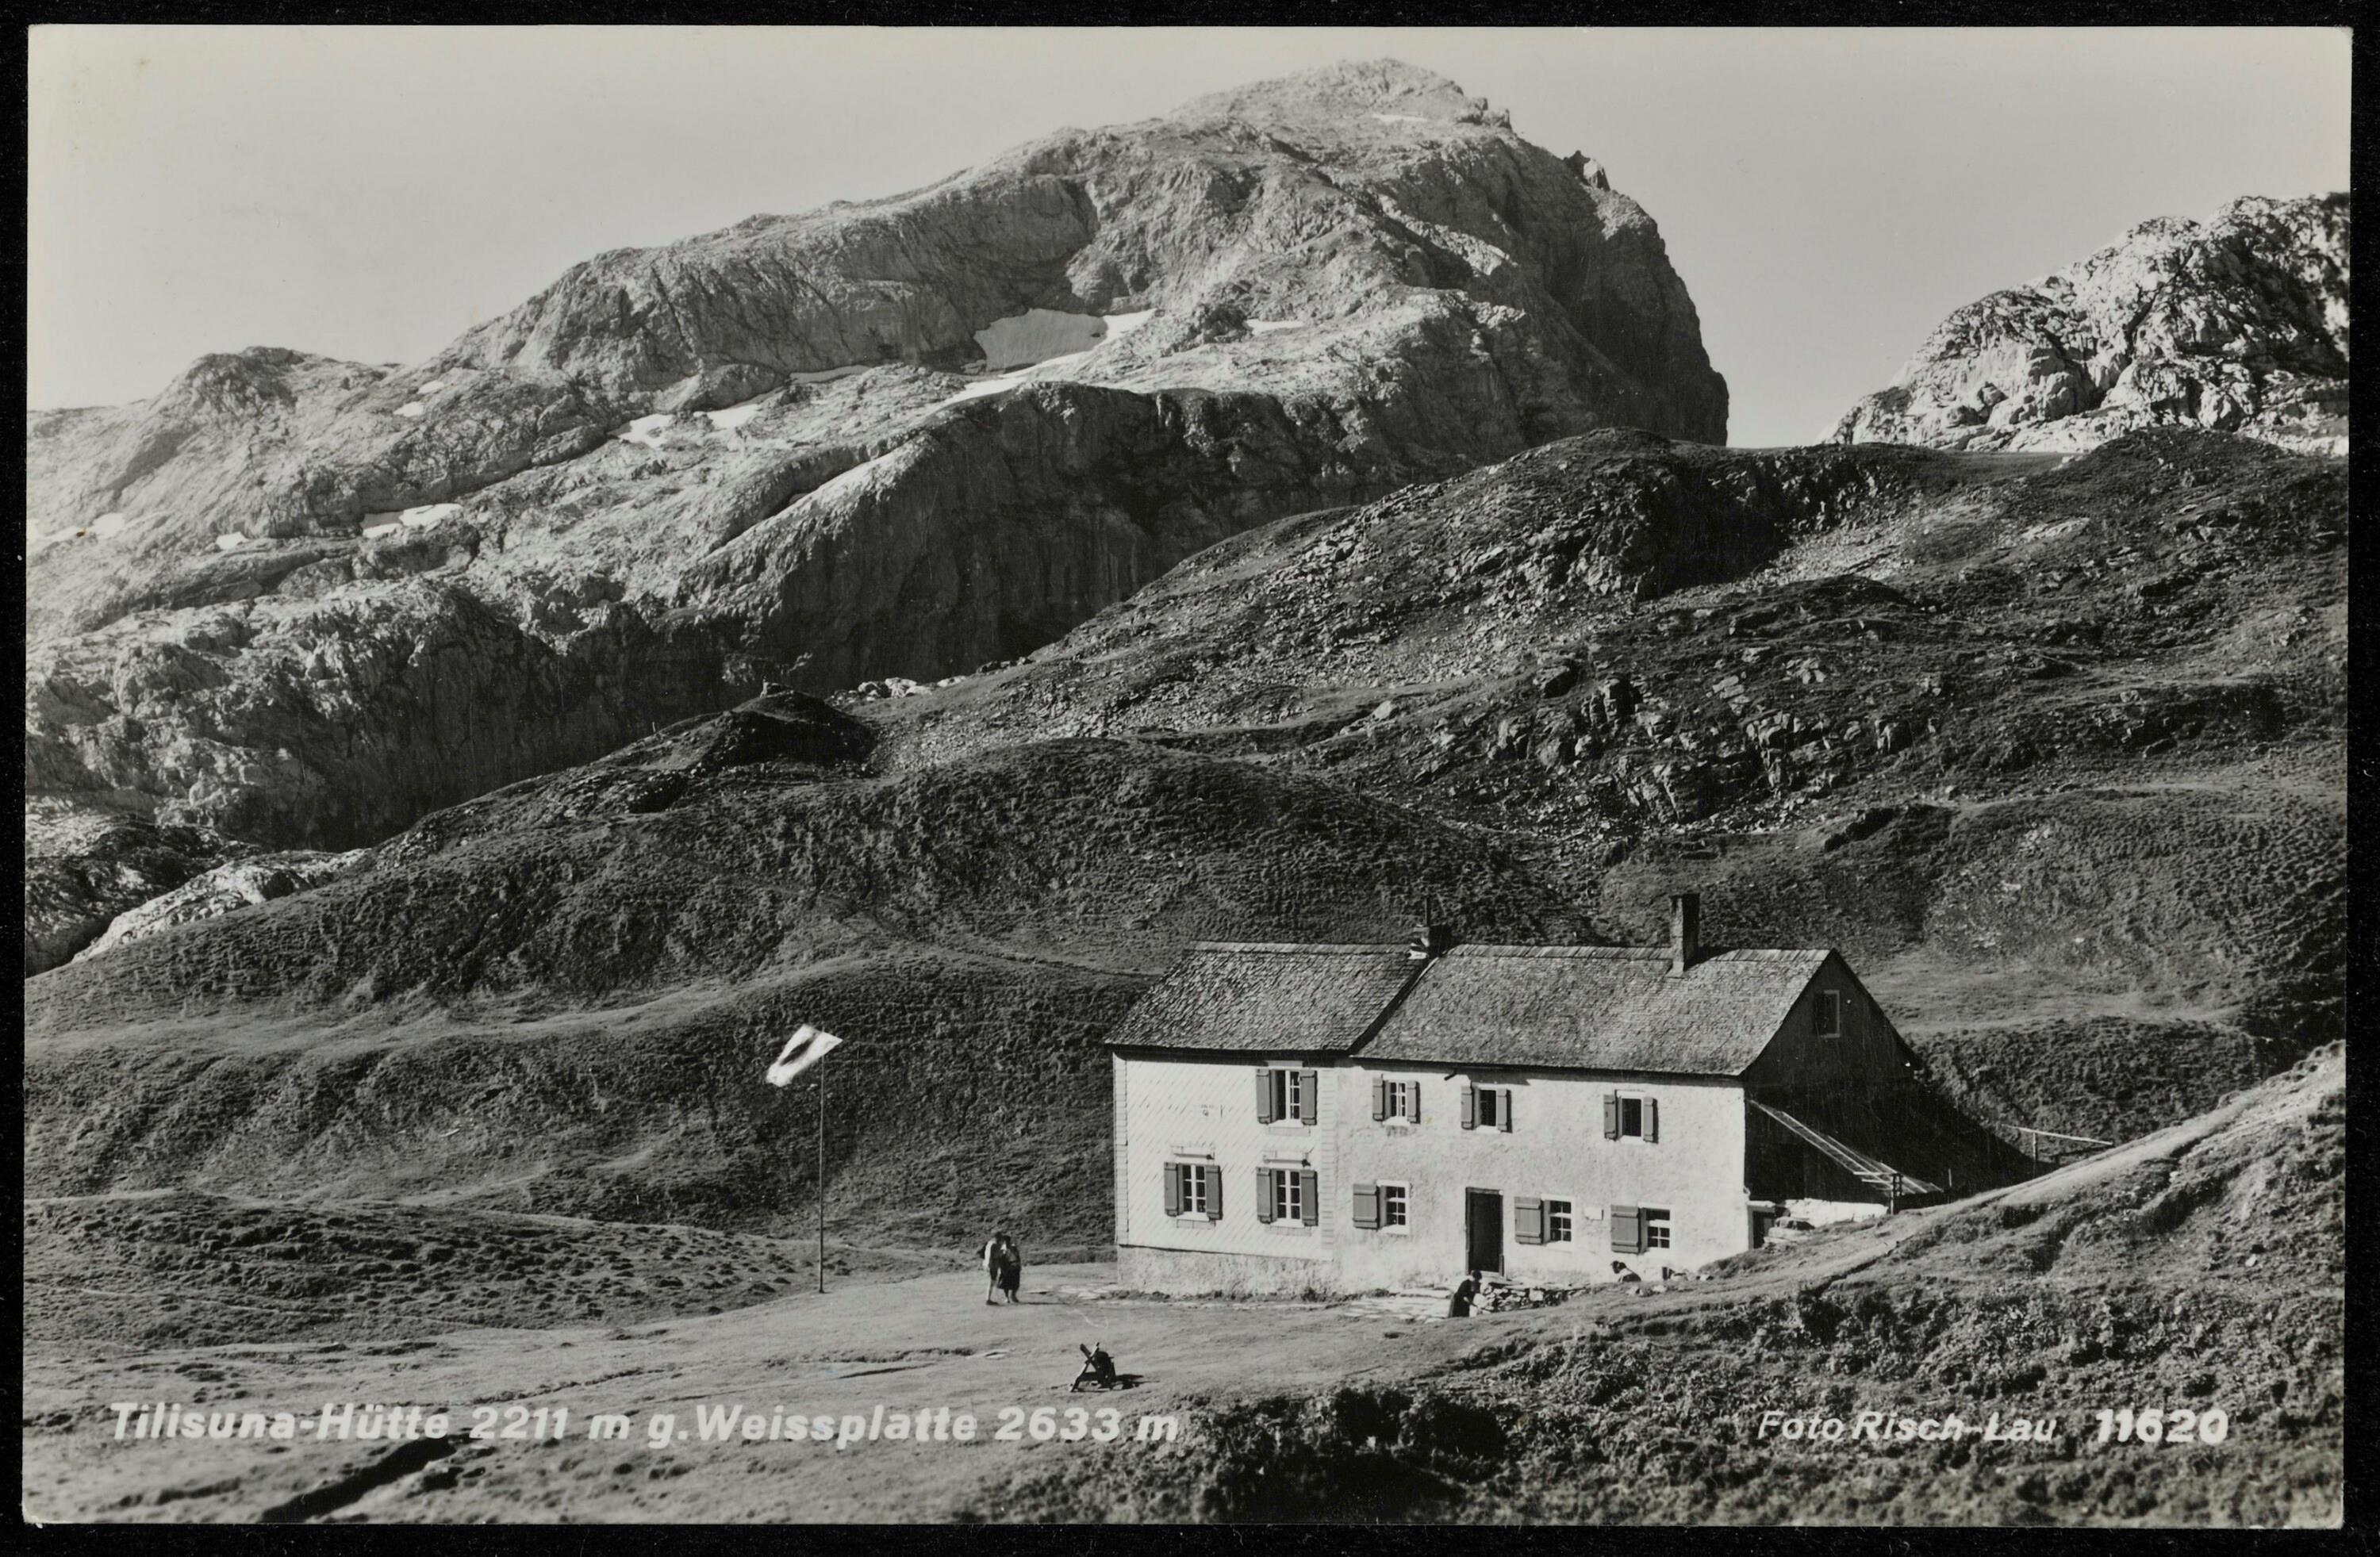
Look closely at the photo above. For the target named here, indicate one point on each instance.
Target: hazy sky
(1827, 195)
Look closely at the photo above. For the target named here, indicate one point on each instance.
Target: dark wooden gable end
(1840, 1106)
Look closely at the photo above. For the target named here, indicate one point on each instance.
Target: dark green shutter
(1309, 1095)
(1610, 1115)
(1367, 1205)
(1173, 1171)
(1412, 1102)
(1309, 1197)
(1528, 1219)
(1264, 1194)
(1470, 1106)
(1263, 1094)
(1651, 1120)
(1380, 1097)
(1504, 1110)
(1214, 1192)
(1627, 1230)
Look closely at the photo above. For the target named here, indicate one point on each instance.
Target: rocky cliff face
(2239, 324)
(291, 597)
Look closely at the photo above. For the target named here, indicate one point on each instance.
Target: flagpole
(822, 1178)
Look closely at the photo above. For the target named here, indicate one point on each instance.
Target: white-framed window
(1288, 1205)
(1558, 1222)
(1827, 1014)
(1402, 1105)
(1193, 1190)
(1289, 1096)
(1395, 1207)
(1657, 1228)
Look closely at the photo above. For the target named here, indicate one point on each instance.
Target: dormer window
(1826, 1015)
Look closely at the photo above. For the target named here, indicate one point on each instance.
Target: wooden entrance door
(1484, 1230)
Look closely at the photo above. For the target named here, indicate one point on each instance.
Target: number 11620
(2179, 1425)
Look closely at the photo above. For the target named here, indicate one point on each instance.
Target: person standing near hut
(1003, 1267)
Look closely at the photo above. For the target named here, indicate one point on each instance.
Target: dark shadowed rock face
(2240, 324)
(899, 438)
(83, 867)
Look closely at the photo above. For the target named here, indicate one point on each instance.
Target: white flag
(804, 1049)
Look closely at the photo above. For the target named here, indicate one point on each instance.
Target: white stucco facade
(1203, 1109)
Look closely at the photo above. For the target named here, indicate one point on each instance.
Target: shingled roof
(1597, 1008)
(1267, 997)
(1563, 1007)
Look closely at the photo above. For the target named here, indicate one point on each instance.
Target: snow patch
(230, 541)
(413, 408)
(646, 430)
(381, 532)
(1007, 356)
(107, 525)
(1037, 335)
(1267, 326)
(433, 386)
(734, 417)
(430, 514)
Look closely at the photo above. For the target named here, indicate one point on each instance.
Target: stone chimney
(1430, 941)
(1685, 929)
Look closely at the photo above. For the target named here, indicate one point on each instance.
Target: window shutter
(1651, 1120)
(1367, 1205)
(1173, 1171)
(1610, 1115)
(1504, 1111)
(1214, 1193)
(1309, 1095)
(1263, 1094)
(1412, 1102)
(1627, 1230)
(1529, 1220)
(1264, 1194)
(1470, 1106)
(1380, 1097)
(1309, 1200)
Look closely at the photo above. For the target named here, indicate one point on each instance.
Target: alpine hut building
(1358, 1117)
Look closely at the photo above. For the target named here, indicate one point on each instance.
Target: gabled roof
(1561, 1008)
(1597, 1008)
(1267, 997)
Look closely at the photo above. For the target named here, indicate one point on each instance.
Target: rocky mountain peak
(2238, 323)
(1387, 89)
(898, 438)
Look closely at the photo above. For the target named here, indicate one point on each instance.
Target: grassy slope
(562, 997)
(2050, 749)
